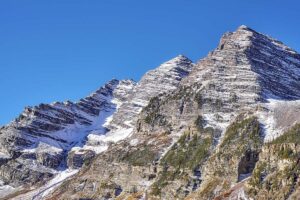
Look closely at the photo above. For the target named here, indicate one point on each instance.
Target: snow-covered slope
(64, 124)
(163, 79)
(200, 139)
(128, 128)
(278, 116)
(50, 137)
(34, 146)
(247, 68)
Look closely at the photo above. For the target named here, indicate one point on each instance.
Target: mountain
(35, 145)
(225, 127)
(46, 139)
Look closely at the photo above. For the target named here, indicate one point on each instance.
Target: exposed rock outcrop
(37, 141)
(49, 137)
(231, 83)
(184, 131)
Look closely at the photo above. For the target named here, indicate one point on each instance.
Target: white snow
(99, 143)
(44, 147)
(117, 102)
(6, 189)
(128, 123)
(96, 137)
(4, 155)
(142, 93)
(277, 116)
(41, 192)
(213, 121)
(57, 180)
(241, 195)
(134, 142)
(98, 148)
(280, 46)
(74, 135)
(268, 121)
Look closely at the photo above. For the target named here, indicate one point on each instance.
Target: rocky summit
(225, 127)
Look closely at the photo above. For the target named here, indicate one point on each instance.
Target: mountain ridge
(167, 135)
(76, 131)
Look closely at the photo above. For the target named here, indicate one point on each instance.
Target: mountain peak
(246, 51)
(180, 57)
(240, 38)
(242, 27)
(245, 28)
(179, 61)
(245, 37)
(138, 124)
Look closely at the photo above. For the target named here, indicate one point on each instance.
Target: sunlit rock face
(184, 131)
(245, 69)
(48, 138)
(163, 79)
(39, 139)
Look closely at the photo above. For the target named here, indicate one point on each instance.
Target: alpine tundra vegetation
(226, 127)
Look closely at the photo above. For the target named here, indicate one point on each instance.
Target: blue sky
(55, 50)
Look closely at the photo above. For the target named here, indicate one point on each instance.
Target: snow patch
(4, 155)
(6, 189)
(134, 142)
(278, 116)
(41, 192)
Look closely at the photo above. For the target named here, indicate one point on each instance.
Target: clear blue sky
(54, 50)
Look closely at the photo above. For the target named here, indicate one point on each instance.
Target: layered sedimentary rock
(232, 85)
(50, 137)
(188, 131)
(161, 80)
(37, 141)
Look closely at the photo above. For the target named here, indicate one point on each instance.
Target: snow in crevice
(220, 125)
(134, 142)
(6, 189)
(98, 137)
(41, 192)
(71, 136)
(277, 116)
(105, 130)
(91, 131)
(4, 155)
(100, 142)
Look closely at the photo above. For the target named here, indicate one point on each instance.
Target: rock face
(184, 131)
(49, 137)
(77, 159)
(234, 159)
(246, 68)
(38, 140)
(161, 80)
(276, 175)
(61, 124)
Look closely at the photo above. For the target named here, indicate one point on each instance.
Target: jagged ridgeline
(225, 127)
